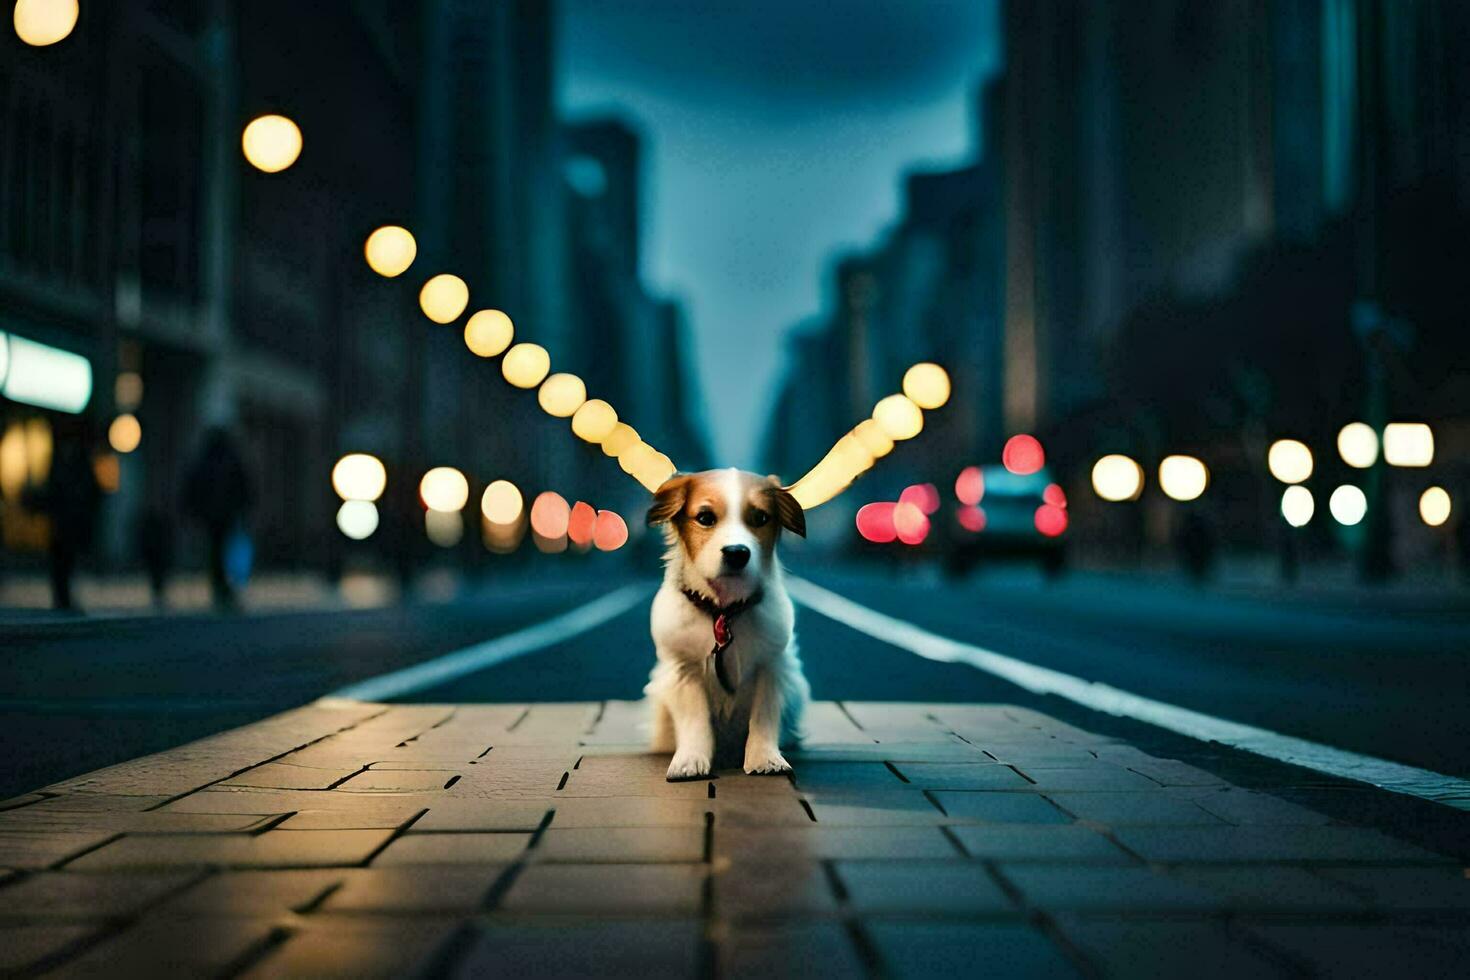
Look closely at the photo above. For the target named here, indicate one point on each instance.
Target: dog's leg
(762, 753)
(661, 738)
(688, 706)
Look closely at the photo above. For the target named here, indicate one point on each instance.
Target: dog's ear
(788, 511)
(668, 500)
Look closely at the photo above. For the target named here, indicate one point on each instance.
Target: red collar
(724, 635)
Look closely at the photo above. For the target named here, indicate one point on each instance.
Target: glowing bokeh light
(358, 476)
(487, 333)
(875, 522)
(926, 385)
(910, 523)
(1408, 444)
(127, 390)
(444, 488)
(1116, 478)
(1022, 455)
(595, 420)
(898, 418)
(1289, 461)
(873, 439)
(108, 471)
(124, 433)
(526, 365)
(444, 297)
(969, 486)
(924, 496)
(444, 528)
(271, 143)
(1434, 506)
(1297, 506)
(1348, 505)
(1054, 495)
(390, 250)
(1050, 520)
(501, 503)
(45, 376)
(42, 22)
(357, 519)
(550, 514)
(1357, 444)
(581, 524)
(619, 440)
(971, 518)
(609, 531)
(561, 395)
(1183, 478)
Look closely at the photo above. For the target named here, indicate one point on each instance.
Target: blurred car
(1014, 516)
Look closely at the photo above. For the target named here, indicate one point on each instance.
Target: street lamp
(271, 143)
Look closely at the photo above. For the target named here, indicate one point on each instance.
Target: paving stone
(948, 775)
(348, 948)
(1253, 888)
(241, 800)
(816, 949)
(453, 849)
(622, 844)
(1364, 949)
(1100, 776)
(1037, 842)
(632, 949)
(256, 894)
(942, 887)
(1248, 808)
(273, 849)
(1111, 889)
(525, 815)
(1284, 843)
(624, 889)
(23, 946)
(953, 949)
(815, 842)
(793, 889)
(99, 803)
(377, 815)
(817, 777)
(418, 888)
(987, 807)
(397, 781)
(1029, 755)
(1402, 889)
(634, 780)
(637, 811)
(876, 808)
(759, 811)
(735, 784)
(157, 822)
(1134, 809)
(1171, 772)
(65, 895)
(158, 948)
(1201, 950)
(279, 775)
(36, 850)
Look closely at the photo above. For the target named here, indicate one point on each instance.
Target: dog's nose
(737, 556)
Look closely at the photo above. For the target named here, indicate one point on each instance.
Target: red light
(610, 532)
(1051, 520)
(875, 522)
(582, 522)
(911, 523)
(924, 496)
(1054, 495)
(1023, 455)
(969, 486)
(971, 518)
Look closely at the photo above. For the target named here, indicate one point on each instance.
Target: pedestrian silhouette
(218, 493)
(156, 547)
(70, 498)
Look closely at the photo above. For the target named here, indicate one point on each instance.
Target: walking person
(71, 499)
(218, 492)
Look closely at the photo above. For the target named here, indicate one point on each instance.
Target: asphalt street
(1385, 679)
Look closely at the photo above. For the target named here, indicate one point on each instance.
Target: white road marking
(1392, 776)
(451, 666)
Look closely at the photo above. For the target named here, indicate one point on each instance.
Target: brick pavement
(349, 839)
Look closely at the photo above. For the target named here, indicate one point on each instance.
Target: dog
(728, 674)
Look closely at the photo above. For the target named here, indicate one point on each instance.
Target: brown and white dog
(727, 673)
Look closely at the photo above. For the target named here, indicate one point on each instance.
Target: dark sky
(776, 135)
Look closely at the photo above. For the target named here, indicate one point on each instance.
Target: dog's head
(722, 526)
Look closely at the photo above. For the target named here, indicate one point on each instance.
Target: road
(1378, 678)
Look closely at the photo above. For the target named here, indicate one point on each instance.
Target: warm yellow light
(271, 143)
(926, 385)
(561, 395)
(358, 476)
(1289, 461)
(42, 22)
(1408, 444)
(871, 435)
(1297, 506)
(1357, 444)
(652, 469)
(444, 298)
(444, 488)
(124, 433)
(898, 417)
(1183, 477)
(501, 503)
(1434, 506)
(357, 519)
(444, 528)
(488, 333)
(845, 462)
(525, 365)
(127, 391)
(623, 435)
(1348, 505)
(390, 250)
(595, 421)
(1116, 478)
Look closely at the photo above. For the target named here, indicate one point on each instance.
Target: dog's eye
(706, 518)
(758, 518)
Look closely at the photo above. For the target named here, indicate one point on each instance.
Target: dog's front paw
(765, 762)
(688, 765)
